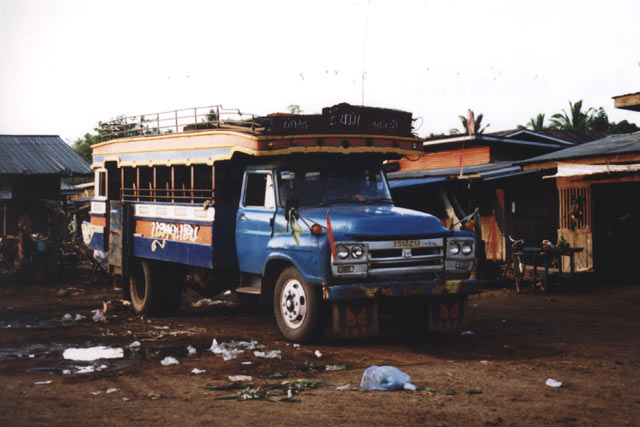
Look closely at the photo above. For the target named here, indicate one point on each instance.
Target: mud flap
(355, 318)
(447, 313)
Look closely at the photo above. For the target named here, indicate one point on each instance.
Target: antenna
(364, 48)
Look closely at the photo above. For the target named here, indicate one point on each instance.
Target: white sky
(68, 64)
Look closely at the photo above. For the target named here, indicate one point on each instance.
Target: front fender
(310, 257)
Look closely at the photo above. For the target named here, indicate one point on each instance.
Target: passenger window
(259, 191)
(101, 184)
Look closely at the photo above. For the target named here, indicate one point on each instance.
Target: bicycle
(516, 262)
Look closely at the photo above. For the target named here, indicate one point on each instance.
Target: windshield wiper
(342, 200)
(378, 199)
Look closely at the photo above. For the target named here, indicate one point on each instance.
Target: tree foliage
(477, 125)
(536, 123)
(294, 109)
(575, 119)
(591, 119)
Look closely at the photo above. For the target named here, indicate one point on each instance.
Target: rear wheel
(296, 305)
(156, 288)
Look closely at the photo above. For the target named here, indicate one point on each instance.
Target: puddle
(71, 368)
(38, 324)
(145, 353)
(38, 350)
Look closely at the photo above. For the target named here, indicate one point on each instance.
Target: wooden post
(173, 183)
(155, 187)
(213, 181)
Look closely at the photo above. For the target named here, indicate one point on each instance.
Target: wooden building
(31, 167)
(598, 205)
(483, 171)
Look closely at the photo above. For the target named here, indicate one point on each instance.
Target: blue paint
(173, 220)
(174, 251)
(97, 242)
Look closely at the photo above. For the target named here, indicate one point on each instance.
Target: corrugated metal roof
(610, 145)
(412, 182)
(451, 172)
(39, 155)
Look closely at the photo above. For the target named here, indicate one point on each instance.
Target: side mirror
(291, 207)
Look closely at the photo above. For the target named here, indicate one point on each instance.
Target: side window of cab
(100, 184)
(259, 192)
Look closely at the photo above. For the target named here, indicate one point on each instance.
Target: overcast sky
(68, 64)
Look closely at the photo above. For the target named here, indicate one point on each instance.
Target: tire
(155, 288)
(296, 306)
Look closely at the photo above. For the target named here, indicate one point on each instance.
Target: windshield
(324, 186)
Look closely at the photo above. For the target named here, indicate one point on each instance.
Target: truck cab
(329, 231)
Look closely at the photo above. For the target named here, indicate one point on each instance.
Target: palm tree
(537, 123)
(477, 125)
(575, 120)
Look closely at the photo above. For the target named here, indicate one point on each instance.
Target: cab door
(254, 220)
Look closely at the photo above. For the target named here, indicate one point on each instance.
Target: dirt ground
(589, 340)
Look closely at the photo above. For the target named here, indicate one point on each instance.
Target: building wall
(447, 159)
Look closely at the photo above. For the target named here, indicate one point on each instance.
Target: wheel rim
(293, 304)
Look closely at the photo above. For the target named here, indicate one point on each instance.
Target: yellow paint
(291, 150)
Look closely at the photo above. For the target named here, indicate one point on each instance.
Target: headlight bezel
(351, 250)
(460, 248)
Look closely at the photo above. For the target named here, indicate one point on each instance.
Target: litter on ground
(67, 318)
(273, 354)
(111, 390)
(197, 371)
(93, 353)
(207, 301)
(191, 350)
(168, 361)
(318, 354)
(240, 378)
(343, 387)
(135, 344)
(467, 333)
(385, 378)
(43, 382)
(98, 316)
(553, 383)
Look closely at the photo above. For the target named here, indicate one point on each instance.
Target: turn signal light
(316, 230)
(468, 225)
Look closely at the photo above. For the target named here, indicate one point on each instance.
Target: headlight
(357, 251)
(454, 249)
(342, 252)
(467, 248)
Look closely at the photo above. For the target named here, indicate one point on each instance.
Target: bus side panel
(173, 251)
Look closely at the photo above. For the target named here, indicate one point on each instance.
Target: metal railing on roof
(197, 119)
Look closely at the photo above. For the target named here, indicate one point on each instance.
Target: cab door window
(259, 191)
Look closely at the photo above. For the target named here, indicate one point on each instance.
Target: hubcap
(293, 304)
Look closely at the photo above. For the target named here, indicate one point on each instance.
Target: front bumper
(398, 288)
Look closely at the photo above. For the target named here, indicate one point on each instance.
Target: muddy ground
(589, 340)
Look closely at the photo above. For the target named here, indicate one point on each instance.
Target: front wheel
(296, 306)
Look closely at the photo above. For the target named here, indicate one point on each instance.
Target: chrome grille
(405, 256)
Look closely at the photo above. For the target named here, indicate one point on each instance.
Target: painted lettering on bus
(183, 232)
